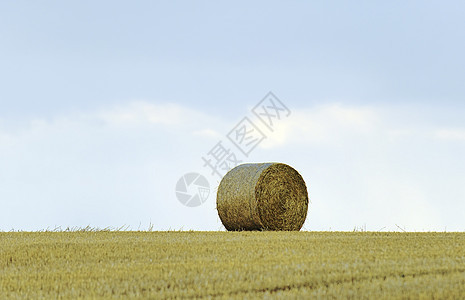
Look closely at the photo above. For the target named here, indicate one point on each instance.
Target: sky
(105, 105)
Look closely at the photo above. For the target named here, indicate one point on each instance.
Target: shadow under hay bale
(263, 196)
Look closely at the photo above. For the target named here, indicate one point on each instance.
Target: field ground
(154, 265)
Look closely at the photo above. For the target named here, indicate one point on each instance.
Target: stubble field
(157, 265)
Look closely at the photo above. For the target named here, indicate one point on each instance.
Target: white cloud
(450, 134)
(363, 165)
(209, 133)
(106, 168)
(367, 165)
(328, 124)
(394, 135)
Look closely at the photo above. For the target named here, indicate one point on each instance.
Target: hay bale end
(262, 196)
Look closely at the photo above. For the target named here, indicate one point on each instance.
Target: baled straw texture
(264, 196)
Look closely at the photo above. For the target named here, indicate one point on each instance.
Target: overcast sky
(105, 105)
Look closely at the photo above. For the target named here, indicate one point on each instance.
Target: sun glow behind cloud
(324, 125)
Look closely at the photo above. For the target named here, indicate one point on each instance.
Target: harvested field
(358, 265)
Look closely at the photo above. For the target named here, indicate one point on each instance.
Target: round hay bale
(264, 196)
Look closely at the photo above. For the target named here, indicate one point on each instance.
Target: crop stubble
(231, 265)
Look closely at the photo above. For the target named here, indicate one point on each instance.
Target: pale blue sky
(60, 56)
(70, 70)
